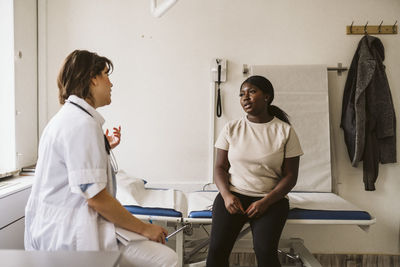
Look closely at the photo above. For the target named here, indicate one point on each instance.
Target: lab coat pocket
(88, 231)
(107, 235)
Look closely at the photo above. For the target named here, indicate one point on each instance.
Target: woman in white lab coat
(72, 205)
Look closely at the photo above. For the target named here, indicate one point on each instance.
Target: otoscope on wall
(218, 73)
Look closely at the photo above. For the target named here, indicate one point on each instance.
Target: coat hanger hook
(380, 27)
(365, 28)
(351, 27)
(394, 27)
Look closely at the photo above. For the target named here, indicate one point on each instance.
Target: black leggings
(266, 231)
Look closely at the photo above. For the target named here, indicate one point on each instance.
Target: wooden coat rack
(372, 29)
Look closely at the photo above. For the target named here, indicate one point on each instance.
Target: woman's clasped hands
(234, 206)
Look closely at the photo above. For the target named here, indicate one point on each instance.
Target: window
(18, 84)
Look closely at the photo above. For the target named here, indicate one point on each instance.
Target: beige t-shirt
(256, 152)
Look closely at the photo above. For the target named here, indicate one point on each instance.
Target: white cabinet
(12, 210)
(12, 236)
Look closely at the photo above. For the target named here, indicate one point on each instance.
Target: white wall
(161, 93)
(7, 132)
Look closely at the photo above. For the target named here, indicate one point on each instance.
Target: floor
(326, 260)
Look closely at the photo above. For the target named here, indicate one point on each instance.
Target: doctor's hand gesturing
(114, 139)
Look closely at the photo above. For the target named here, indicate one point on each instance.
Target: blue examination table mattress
(297, 214)
(153, 211)
(304, 214)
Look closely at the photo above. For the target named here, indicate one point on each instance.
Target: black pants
(266, 231)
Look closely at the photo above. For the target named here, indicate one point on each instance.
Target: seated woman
(72, 205)
(257, 165)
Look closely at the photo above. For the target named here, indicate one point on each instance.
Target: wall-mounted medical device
(218, 65)
(218, 76)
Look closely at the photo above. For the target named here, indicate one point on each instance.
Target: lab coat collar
(96, 115)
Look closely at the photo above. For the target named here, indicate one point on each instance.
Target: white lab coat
(71, 153)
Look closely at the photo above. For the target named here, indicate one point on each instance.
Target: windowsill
(14, 184)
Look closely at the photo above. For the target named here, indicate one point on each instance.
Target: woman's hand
(257, 208)
(232, 204)
(112, 210)
(290, 169)
(114, 139)
(155, 233)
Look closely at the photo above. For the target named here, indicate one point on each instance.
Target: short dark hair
(77, 71)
